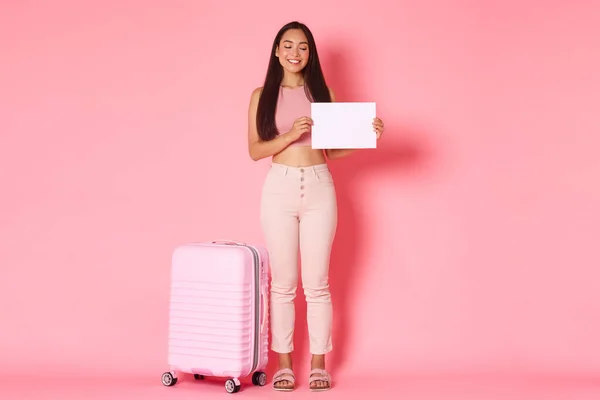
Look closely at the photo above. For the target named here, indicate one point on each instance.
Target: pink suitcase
(218, 313)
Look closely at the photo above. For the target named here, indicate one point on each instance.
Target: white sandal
(319, 375)
(284, 375)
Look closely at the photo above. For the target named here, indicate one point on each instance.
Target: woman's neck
(292, 81)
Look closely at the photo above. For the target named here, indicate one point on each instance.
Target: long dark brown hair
(314, 82)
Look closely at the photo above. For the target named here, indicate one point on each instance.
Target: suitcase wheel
(168, 379)
(259, 379)
(232, 386)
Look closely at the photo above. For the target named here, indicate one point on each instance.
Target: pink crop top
(291, 105)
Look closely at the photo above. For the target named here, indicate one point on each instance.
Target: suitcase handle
(264, 305)
(227, 242)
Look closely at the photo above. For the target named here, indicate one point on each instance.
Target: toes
(284, 385)
(319, 385)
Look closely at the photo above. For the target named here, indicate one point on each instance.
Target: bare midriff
(300, 156)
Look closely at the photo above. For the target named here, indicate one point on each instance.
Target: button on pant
(299, 217)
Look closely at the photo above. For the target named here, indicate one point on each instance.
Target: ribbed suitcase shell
(218, 312)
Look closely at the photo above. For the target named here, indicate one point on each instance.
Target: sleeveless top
(291, 105)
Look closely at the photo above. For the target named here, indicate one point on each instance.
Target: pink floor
(405, 387)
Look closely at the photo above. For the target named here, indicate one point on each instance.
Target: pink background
(467, 242)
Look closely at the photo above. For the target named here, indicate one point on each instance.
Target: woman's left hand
(378, 127)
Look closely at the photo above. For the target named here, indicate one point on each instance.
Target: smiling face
(293, 51)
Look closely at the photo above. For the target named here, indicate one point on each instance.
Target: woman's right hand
(300, 127)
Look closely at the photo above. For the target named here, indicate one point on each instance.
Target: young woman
(298, 205)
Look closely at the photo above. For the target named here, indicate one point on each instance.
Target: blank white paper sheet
(344, 125)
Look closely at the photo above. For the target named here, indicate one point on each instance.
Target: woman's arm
(257, 148)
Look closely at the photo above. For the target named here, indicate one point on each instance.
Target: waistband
(289, 169)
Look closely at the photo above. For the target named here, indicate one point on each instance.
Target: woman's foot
(319, 378)
(284, 378)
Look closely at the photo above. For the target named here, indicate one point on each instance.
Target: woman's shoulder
(255, 96)
(331, 93)
(256, 92)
